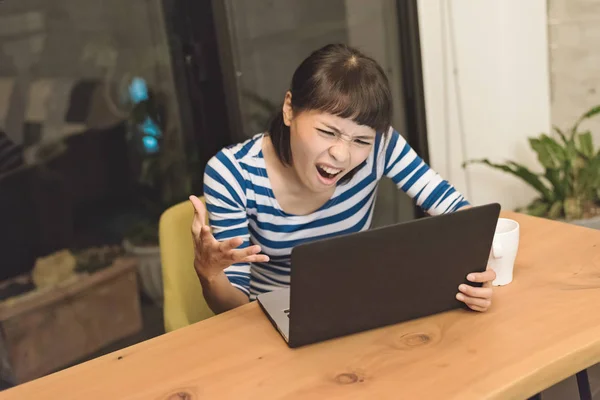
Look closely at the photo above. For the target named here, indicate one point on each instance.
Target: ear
(287, 109)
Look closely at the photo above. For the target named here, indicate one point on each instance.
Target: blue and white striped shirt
(240, 202)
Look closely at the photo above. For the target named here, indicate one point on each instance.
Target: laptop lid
(355, 282)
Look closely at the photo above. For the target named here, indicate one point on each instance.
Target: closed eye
(361, 142)
(328, 133)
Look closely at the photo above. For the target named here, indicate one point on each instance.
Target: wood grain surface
(542, 328)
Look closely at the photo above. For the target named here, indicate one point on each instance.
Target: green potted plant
(165, 173)
(569, 187)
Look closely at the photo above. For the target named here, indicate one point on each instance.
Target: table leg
(583, 383)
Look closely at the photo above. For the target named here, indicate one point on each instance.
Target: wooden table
(542, 328)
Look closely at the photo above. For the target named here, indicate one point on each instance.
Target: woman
(313, 175)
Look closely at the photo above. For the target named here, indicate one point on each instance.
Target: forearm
(459, 209)
(220, 294)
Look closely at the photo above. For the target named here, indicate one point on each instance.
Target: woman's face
(325, 147)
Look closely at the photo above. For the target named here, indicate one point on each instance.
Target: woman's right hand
(211, 257)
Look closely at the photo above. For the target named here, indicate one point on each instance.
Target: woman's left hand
(478, 298)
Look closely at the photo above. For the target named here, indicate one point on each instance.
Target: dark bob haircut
(339, 80)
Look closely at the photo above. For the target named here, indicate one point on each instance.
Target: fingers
(475, 303)
(199, 209)
(248, 251)
(206, 235)
(478, 292)
(249, 254)
(228, 249)
(196, 203)
(202, 233)
(256, 258)
(478, 299)
(199, 217)
(230, 244)
(225, 250)
(482, 277)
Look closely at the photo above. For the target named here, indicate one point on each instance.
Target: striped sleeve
(412, 175)
(224, 193)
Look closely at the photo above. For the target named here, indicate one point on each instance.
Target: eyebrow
(333, 128)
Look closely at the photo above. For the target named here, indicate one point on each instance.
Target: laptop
(361, 281)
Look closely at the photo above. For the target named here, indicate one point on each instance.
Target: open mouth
(328, 172)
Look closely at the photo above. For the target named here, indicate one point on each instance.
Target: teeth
(331, 171)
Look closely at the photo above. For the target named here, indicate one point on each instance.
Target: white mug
(504, 251)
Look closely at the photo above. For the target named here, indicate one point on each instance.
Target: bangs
(349, 91)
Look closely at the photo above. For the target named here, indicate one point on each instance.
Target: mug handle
(497, 250)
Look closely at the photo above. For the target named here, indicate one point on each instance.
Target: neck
(286, 172)
(289, 190)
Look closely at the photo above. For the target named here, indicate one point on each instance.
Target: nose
(340, 151)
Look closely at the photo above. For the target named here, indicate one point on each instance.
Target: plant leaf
(589, 178)
(550, 154)
(532, 179)
(559, 186)
(556, 210)
(588, 114)
(571, 152)
(560, 133)
(538, 208)
(520, 172)
(573, 209)
(586, 144)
